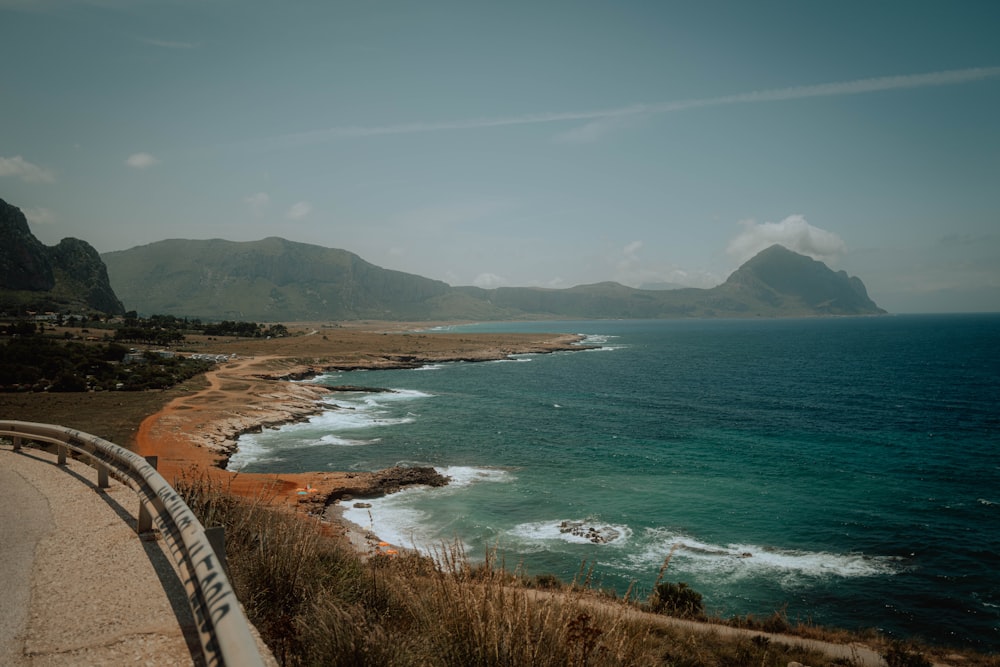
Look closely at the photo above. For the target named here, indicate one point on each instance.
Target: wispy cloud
(840, 88)
(591, 131)
(167, 44)
(299, 210)
(257, 202)
(28, 172)
(141, 160)
(489, 281)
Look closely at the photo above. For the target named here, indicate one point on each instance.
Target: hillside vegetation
(279, 280)
(276, 280)
(317, 601)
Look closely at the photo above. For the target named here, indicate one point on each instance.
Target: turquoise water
(845, 470)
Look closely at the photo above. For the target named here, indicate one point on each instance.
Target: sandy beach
(266, 385)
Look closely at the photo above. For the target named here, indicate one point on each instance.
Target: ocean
(845, 471)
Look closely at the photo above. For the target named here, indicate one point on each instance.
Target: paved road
(25, 521)
(78, 586)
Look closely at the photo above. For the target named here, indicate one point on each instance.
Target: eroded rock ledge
(390, 480)
(332, 487)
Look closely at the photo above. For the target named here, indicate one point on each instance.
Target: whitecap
(736, 560)
(398, 395)
(331, 439)
(323, 378)
(599, 342)
(573, 531)
(462, 476)
(987, 503)
(249, 450)
(394, 520)
(362, 417)
(391, 520)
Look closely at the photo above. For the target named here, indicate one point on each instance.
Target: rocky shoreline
(199, 431)
(298, 399)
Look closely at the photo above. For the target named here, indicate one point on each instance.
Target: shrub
(902, 655)
(676, 600)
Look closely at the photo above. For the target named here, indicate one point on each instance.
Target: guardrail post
(102, 476)
(62, 449)
(144, 524)
(217, 538)
(17, 443)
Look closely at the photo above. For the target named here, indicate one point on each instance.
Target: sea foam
(394, 519)
(573, 531)
(347, 412)
(600, 342)
(752, 560)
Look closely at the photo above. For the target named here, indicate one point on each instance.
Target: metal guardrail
(222, 626)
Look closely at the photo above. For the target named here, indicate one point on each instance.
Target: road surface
(78, 585)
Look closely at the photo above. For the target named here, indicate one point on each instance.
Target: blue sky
(522, 143)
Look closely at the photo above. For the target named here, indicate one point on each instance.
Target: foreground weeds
(316, 601)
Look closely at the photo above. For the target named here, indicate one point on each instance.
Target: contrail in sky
(856, 87)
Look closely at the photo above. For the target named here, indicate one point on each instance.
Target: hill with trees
(279, 280)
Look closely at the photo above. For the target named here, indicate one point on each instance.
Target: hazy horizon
(523, 144)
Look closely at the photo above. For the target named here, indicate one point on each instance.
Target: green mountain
(279, 280)
(66, 277)
(268, 280)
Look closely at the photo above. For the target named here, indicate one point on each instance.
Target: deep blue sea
(845, 470)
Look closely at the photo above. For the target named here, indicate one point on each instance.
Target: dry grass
(318, 602)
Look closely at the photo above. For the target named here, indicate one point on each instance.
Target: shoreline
(196, 434)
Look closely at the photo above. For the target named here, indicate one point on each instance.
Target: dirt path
(854, 654)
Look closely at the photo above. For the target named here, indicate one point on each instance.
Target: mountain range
(276, 280)
(279, 280)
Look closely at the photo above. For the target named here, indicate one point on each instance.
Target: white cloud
(630, 270)
(257, 202)
(629, 266)
(793, 232)
(29, 173)
(299, 210)
(141, 160)
(489, 280)
(39, 216)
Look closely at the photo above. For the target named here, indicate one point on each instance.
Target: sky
(541, 143)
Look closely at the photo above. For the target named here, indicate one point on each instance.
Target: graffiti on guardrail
(175, 505)
(217, 593)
